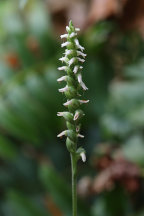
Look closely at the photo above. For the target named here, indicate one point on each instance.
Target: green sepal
(72, 135)
(70, 145)
(68, 116)
(74, 104)
(71, 92)
(70, 126)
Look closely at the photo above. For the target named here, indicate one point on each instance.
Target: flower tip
(83, 156)
(80, 135)
(63, 133)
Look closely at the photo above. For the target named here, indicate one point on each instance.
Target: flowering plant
(73, 58)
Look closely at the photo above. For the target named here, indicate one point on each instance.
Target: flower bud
(78, 114)
(70, 145)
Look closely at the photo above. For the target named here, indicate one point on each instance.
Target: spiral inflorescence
(72, 59)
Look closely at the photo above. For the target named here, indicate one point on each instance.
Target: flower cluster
(73, 58)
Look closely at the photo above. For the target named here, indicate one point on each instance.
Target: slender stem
(74, 181)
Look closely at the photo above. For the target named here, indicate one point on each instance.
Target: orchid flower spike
(73, 59)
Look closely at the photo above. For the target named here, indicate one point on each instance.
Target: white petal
(79, 53)
(68, 52)
(80, 135)
(83, 156)
(60, 114)
(83, 101)
(75, 70)
(81, 60)
(63, 78)
(65, 44)
(81, 67)
(63, 89)
(62, 68)
(67, 103)
(63, 59)
(77, 29)
(64, 36)
(73, 34)
(79, 78)
(63, 133)
(81, 82)
(78, 45)
(84, 86)
(71, 61)
(67, 28)
(77, 129)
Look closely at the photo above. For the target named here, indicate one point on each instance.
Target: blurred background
(35, 171)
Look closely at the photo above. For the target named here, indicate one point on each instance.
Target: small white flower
(65, 44)
(83, 101)
(64, 36)
(67, 103)
(75, 70)
(60, 113)
(76, 116)
(79, 53)
(67, 28)
(63, 78)
(73, 34)
(71, 61)
(68, 52)
(63, 133)
(81, 60)
(81, 82)
(62, 68)
(77, 129)
(77, 29)
(83, 156)
(63, 89)
(81, 67)
(78, 45)
(80, 135)
(63, 59)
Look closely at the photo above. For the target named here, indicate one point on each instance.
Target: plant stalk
(74, 183)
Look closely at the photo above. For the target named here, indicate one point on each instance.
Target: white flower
(77, 29)
(83, 101)
(81, 82)
(63, 59)
(63, 89)
(64, 36)
(68, 52)
(76, 116)
(63, 133)
(67, 103)
(67, 28)
(80, 135)
(60, 113)
(79, 53)
(65, 44)
(81, 60)
(83, 156)
(63, 78)
(62, 68)
(71, 61)
(78, 45)
(73, 34)
(75, 70)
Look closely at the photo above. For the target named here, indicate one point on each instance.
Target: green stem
(74, 182)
